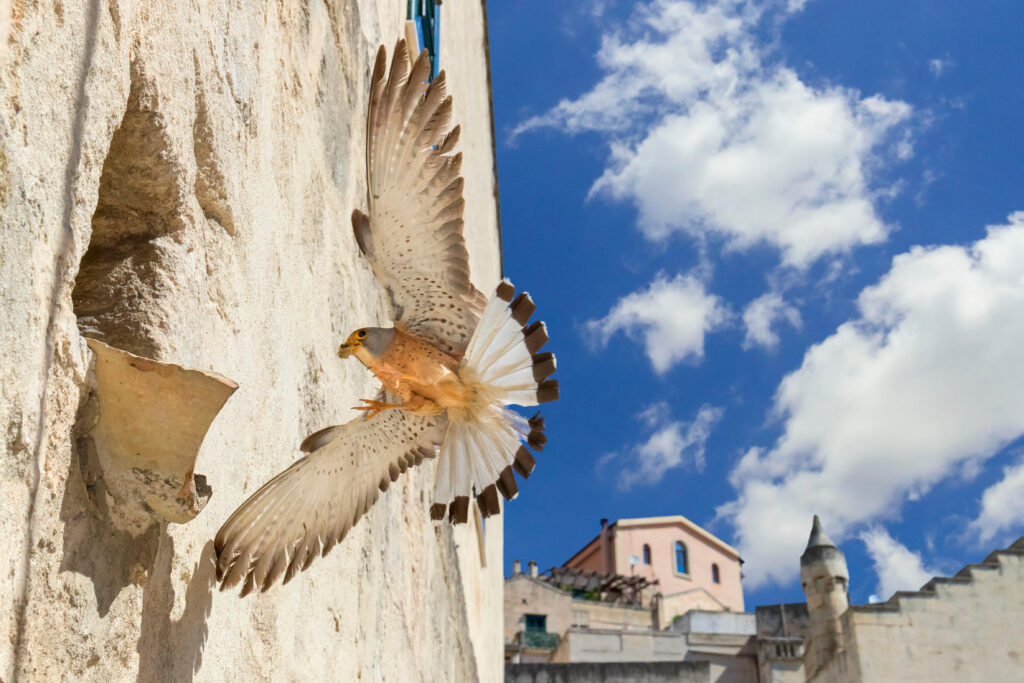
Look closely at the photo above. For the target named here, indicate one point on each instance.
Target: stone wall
(673, 606)
(177, 179)
(616, 645)
(964, 628)
(627, 672)
(730, 652)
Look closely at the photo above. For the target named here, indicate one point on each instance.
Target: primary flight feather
(450, 364)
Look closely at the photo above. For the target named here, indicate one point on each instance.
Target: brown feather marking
(537, 438)
(536, 335)
(524, 462)
(505, 290)
(250, 583)
(488, 501)
(547, 391)
(522, 308)
(317, 439)
(507, 484)
(544, 366)
(448, 143)
(361, 229)
(458, 511)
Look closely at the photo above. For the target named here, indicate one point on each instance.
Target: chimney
(604, 546)
(517, 567)
(533, 568)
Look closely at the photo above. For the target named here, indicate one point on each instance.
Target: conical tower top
(820, 547)
(818, 536)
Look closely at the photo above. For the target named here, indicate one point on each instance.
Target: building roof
(686, 524)
(663, 521)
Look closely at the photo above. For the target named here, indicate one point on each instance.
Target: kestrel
(450, 364)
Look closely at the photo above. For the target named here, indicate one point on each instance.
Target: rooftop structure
(693, 569)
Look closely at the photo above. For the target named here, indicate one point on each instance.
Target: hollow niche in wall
(142, 425)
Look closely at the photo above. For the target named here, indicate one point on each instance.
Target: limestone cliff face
(176, 180)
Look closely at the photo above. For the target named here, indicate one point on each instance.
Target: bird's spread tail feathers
(484, 445)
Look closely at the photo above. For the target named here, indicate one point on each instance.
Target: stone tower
(824, 578)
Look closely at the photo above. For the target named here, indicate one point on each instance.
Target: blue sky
(777, 251)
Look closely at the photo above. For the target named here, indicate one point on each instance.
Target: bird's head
(367, 343)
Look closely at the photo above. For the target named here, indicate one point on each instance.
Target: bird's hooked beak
(354, 341)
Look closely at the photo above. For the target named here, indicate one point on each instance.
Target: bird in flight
(448, 367)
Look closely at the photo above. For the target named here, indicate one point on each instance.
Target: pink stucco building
(694, 569)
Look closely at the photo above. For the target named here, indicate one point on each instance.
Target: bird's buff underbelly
(434, 382)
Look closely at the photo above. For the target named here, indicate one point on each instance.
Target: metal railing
(540, 640)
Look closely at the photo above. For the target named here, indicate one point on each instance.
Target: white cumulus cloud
(672, 444)
(1002, 505)
(670, 318)
(898, 568)
(759, 318)
(927, 382)
(707, 138)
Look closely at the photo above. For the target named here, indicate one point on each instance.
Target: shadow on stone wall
(93, 547)
(169, 649)
(172, 650)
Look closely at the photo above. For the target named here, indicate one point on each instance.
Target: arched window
(715, 576)
(682, 563)
(647, 554)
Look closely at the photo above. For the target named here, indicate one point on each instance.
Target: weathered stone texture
(176, 179)
(965, 628)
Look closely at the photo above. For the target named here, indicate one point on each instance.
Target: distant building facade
(577, 622)
(692, 568)
(658, 590)
(539, 613)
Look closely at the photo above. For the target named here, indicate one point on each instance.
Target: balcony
(539, 640)
(773, 648)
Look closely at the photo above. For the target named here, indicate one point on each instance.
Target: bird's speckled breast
(426, 369)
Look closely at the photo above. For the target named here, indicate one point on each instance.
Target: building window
(647, 554)
(536, 622)
(715, 576)
(682, 562)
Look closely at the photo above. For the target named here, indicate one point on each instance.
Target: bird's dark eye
(361, 333)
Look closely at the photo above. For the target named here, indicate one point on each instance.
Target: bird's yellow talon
(374, 408)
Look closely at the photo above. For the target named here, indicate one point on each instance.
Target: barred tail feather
(482, 448)
(503, 353)
(478, 457)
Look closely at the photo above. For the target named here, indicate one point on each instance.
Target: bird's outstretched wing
(413, 234)
(304, 511)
